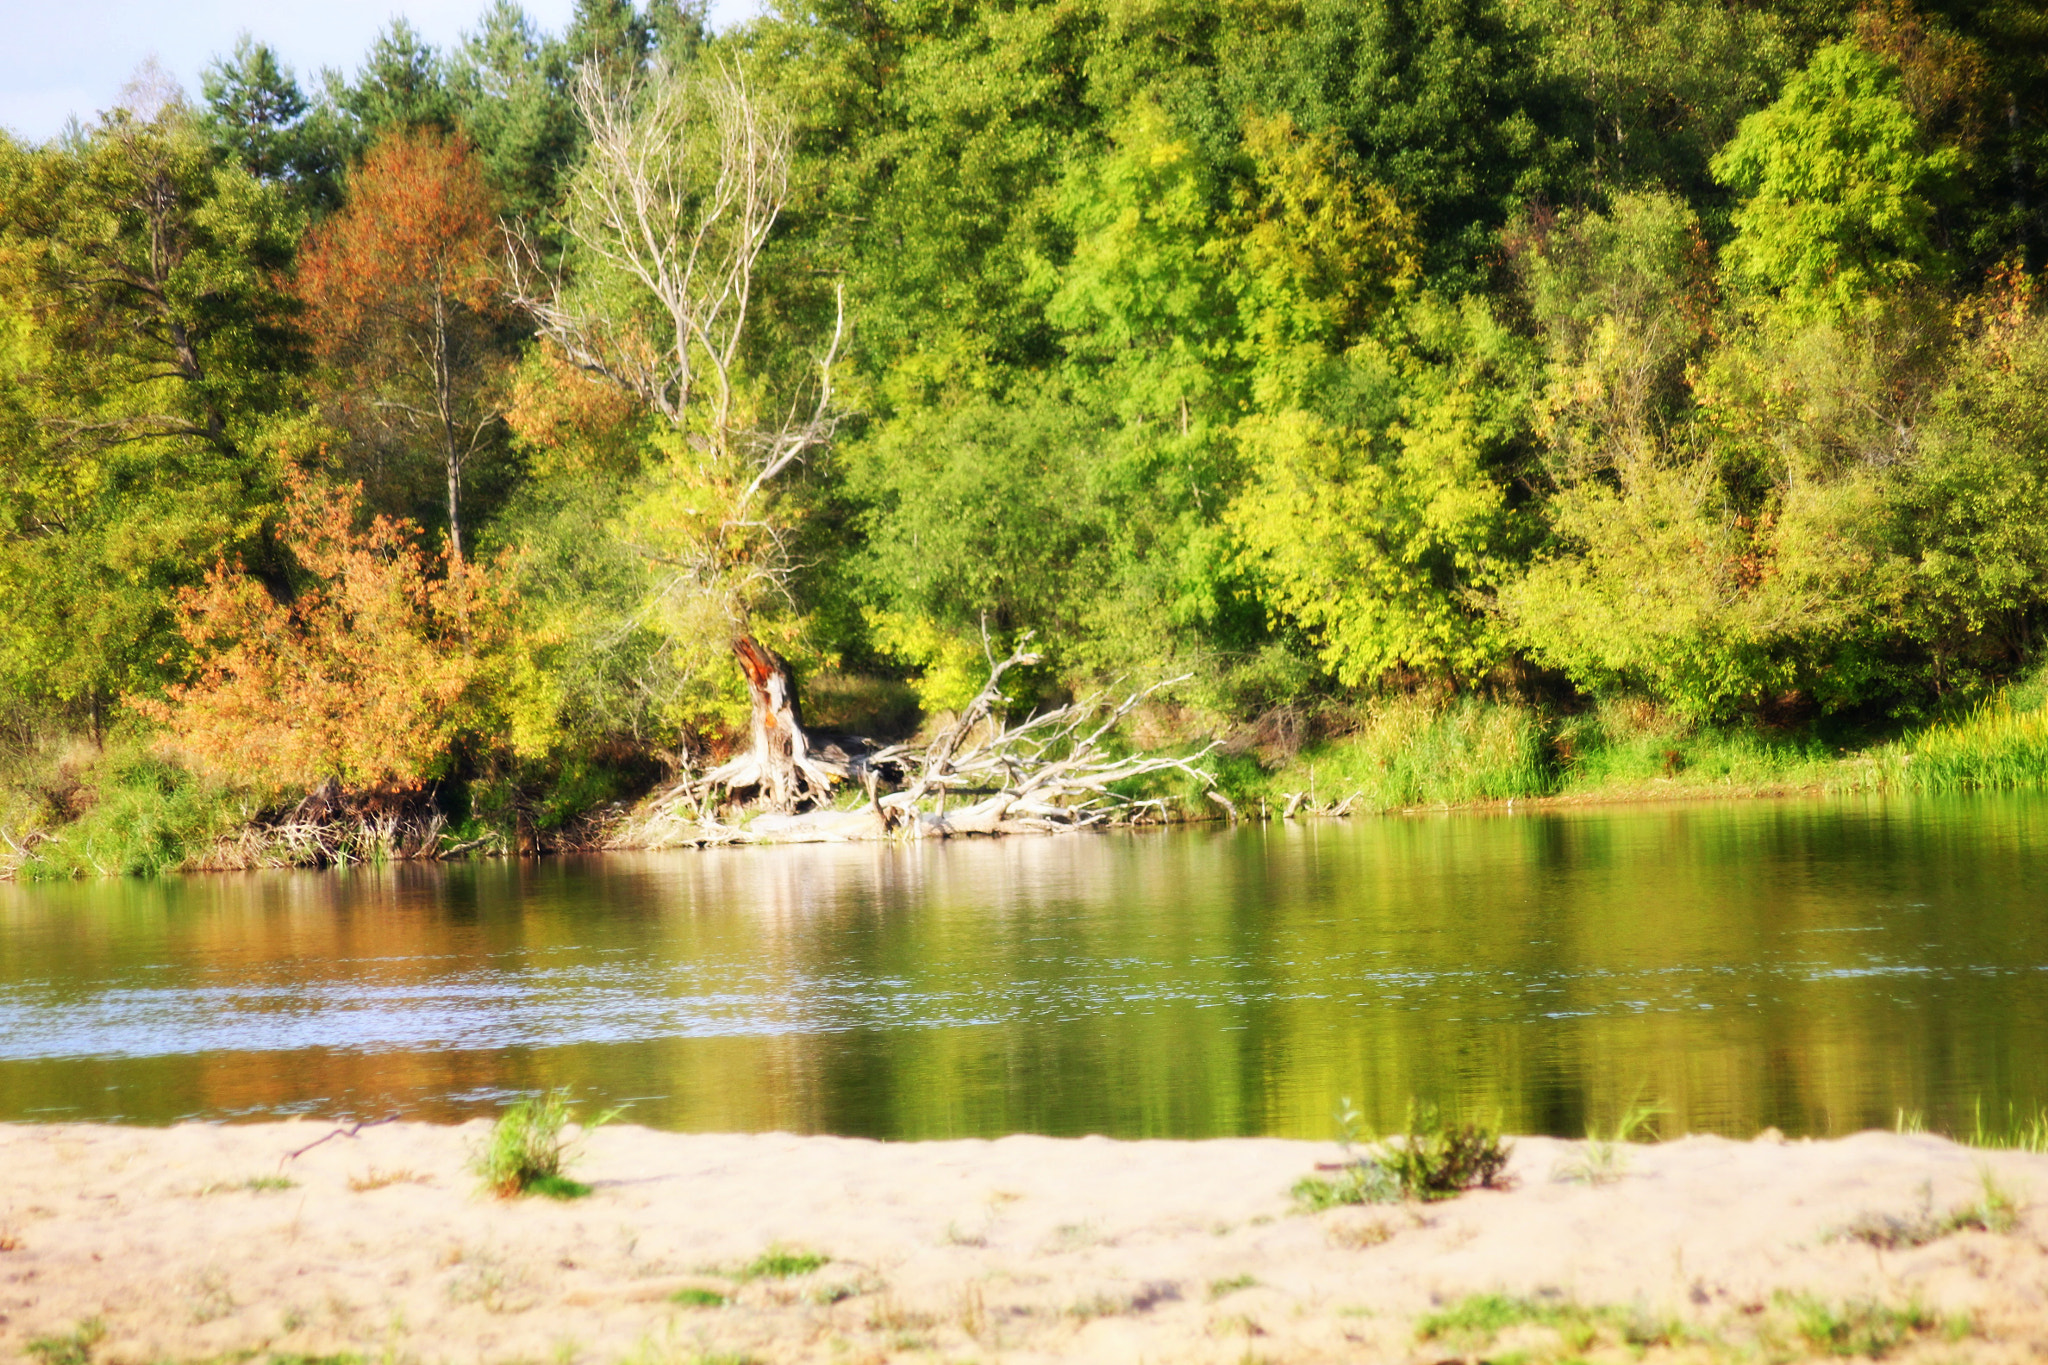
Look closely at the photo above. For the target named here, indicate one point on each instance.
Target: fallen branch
(348, 1132)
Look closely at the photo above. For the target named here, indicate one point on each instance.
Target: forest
(1436, 400)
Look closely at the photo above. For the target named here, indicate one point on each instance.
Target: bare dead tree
(648, 208)
(685, 177)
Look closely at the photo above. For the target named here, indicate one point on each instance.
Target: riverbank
(128, 810)
(1404, 753)
(216, 1242)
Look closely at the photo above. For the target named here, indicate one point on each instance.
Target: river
(1818, 966)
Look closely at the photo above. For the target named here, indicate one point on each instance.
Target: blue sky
(64, 57)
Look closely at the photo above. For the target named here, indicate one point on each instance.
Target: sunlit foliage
(1340, 354)
(364, 676)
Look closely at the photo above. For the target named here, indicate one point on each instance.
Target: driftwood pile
(19, 851)
(978, 775)
(329, 828)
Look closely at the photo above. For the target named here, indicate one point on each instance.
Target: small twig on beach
(350, 1131)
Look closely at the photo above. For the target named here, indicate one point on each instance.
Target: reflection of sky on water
(552, 1007)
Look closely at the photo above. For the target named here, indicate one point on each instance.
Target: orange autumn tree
(404, 305)
(365, 676)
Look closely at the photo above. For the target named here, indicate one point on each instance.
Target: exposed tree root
(328, 829)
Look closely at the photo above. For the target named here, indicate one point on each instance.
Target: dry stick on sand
(347, 1130)
(1050, 771)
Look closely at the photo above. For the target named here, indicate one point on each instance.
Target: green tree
(1442, 101)
(1986, 64)
(1970, 513)
(402, 83)
(151, 368)
(1839, 187)
(1379, 520)
(510, 87)
(1661, 84)
(1720, 496)
(986, 511)
(158, 275)
(1141, 302)
(949, 131)
(588, 669)
(254, 108)
(1316, 252)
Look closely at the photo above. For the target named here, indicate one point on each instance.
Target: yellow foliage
(1320, 251)
(569, 421)
(1374, 555)
(951, 667)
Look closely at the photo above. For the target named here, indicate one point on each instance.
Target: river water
(1816, 966)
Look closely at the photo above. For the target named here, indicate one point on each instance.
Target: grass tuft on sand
(72, 1348)
(784, 1263)
(1863, 1328)
(1434, 1159)
(529, 1149)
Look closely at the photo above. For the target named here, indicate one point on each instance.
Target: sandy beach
(130, 1244)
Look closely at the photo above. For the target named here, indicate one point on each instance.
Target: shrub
(1438, 1160)
(363, 676)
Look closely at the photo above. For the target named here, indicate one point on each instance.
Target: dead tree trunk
(778, 722)
(778, 763)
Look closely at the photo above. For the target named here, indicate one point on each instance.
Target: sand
(1022, 1249)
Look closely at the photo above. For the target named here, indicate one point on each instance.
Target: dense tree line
(386, 427)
